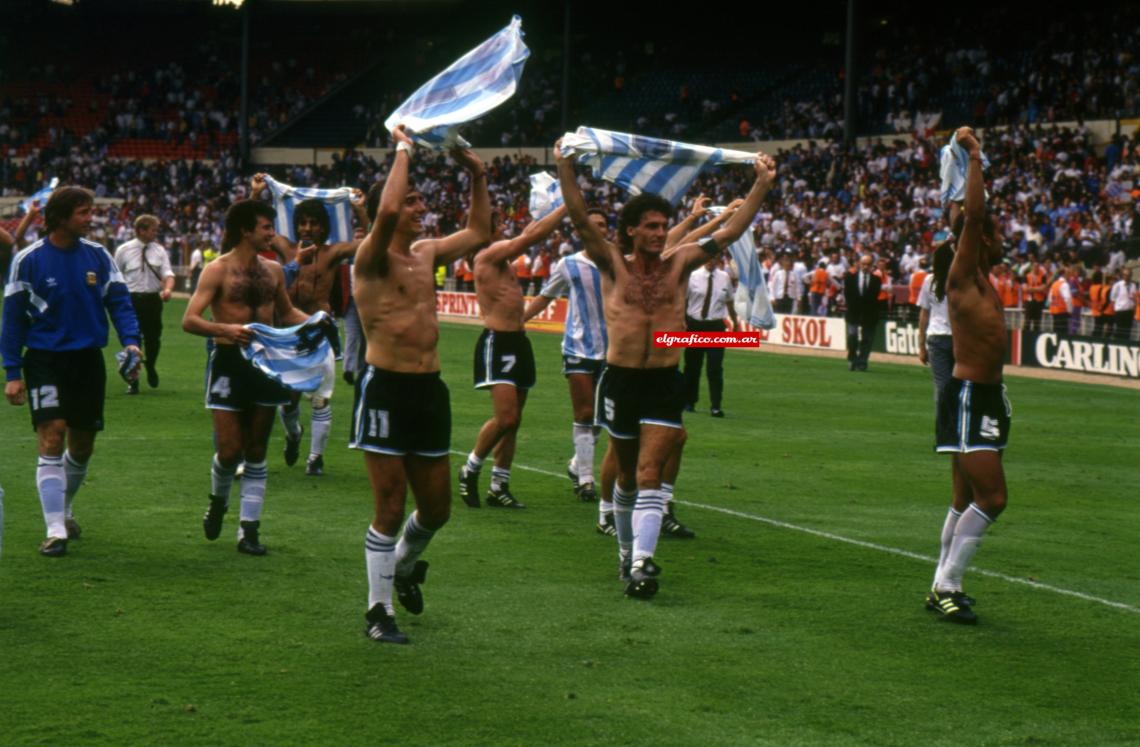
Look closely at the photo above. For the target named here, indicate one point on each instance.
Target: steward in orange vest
(1060, 303)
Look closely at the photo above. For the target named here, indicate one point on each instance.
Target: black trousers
(148, 309)
(694, 359)
(1033, 311)
(859, 340)
(782, 305)
(1123, 324)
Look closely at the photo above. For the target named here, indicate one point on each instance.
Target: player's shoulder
(95, 249)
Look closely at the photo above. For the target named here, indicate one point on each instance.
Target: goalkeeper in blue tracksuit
(59, 293)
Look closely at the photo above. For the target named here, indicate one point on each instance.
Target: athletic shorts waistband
(658, 370)
(403, 375)
(996, 385)
(510, 335)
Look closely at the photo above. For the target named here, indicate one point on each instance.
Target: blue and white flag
(472, 86)
(751, 301)
(545, 195)
(41, 197)
(338, 204)
(646, 164)
(955, 159)
(299, 357)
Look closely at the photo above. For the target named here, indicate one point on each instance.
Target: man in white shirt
(784, 286)
(146, 267)
(1123, 300)
(709, 298)
(197, 262)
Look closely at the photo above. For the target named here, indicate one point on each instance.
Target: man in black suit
(861, 291)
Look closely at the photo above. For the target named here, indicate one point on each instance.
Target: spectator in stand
(916, 279)
(1098, 302)
(1123, 299)
(783, 286)
(885, 288)
(820, 284)
(1036, 288)
(197, 262)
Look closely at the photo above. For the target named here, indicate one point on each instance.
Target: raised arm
(708, 227)
(257, 185)
(372, 254)
(25, 224)
(966, 258)
(694, 254)
(678, 232)
(536, 232)
(283, 308)
(478, 230)
(209, 285)
(597, 247)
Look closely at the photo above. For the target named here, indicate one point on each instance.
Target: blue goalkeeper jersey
(58, 298)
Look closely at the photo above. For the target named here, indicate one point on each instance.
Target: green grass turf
(146, 633)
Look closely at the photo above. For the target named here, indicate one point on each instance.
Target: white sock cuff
(70, 461)
(222, 469)
(624, 499)
(376, 542)
(980, 512)
(255, 471)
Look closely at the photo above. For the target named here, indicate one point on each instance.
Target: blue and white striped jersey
(577, 277)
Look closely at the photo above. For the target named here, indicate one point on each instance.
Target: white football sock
(380, 560)
(647, 522)
(76, 473)
(584, 453)
(967, 537)
(52, 484)
(320, 427)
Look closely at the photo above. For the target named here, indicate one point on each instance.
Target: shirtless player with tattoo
(240, 288)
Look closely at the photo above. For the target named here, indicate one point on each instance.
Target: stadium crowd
(1060, 204)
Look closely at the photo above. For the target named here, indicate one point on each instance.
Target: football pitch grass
(795, 617)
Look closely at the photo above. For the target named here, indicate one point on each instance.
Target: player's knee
(229, 459)
(320, 403)
(255, 454)
(51, 441)
(648, 476)
(388, 522)
(81, 453)
(434, 517)
(992, 502)
(507, 422)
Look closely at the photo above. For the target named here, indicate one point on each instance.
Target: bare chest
(648, 289)
(253, 287)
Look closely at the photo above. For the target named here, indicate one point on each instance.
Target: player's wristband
(708, 245)
(404, 146)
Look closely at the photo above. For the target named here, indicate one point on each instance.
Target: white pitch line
(872, 546)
